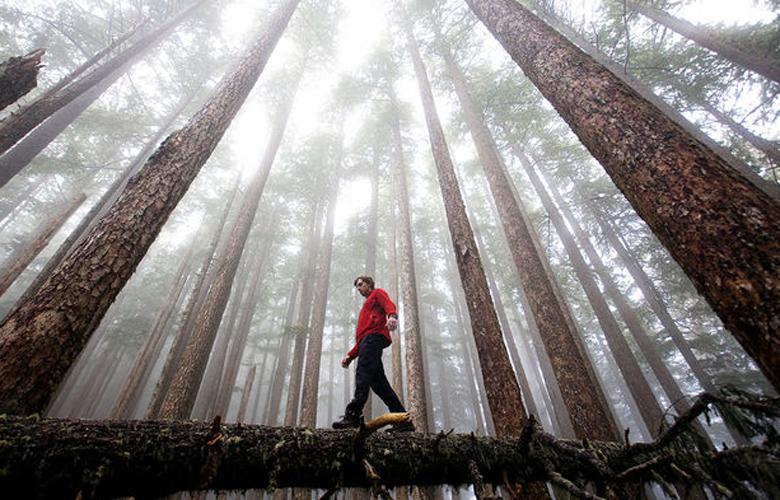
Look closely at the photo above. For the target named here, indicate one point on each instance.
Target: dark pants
(371, 374)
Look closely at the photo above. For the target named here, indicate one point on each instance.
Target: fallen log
(18, 76)
(57, 458)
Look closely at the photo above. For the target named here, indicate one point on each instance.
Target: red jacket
(373, 318)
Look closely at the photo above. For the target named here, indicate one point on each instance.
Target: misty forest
(574, 205)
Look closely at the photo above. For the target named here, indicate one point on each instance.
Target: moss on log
(54, 458)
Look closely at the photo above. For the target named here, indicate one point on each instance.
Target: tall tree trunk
(205, 401)
(723, 231)
(395, 348)
(105, 202)
(472, 366)
(180, 399)
(585, 402)
(654, 300)
(373, 216)
(238, 344)
(282, 363)
(509, 341)
(139, 373)
(411, 327)
(647, 93)
(753, 62)
(16, 126)
(314, 351)
(250, 378)
(40, 340)
(194, 303)
(502, 389)
(18, 76)
(651, 411)
(303, 321)
(25, 255)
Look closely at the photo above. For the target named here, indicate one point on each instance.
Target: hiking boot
(348, 421)
(405, 426)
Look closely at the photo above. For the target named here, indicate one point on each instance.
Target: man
(377, 317)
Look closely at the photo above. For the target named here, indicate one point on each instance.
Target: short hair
(366, 279)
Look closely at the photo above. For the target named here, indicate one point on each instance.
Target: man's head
(364, 285)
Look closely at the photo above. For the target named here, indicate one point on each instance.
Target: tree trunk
(651, 411)
(760, 65)
(502, 389)
(139, 374)
(194, 303)
(585, 402)
(282, 363)
(39, 341)
(18, 76)
(16, 126)
(238, 344)
(250, 378)
(373, 215)
(412, 332)
(154, 459)
(314, 351)
(25, 255)
(724, 232)
(180, 398)
(104, 203)
(672, 113)
(509, 340)
(303, 321)
(205, 401)
(395, 348)
(654, 300)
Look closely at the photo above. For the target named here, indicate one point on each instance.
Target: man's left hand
(392, 323)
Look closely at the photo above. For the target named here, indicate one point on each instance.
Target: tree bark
(760, 65)
(502, 389)
(180, 398)
(154, 459)
(723, 231)
(509, 341)
(40, 340)
(18, 76)
(16, 126)
(25, 255)
(585, 402)
(412, 333)
(673, 114)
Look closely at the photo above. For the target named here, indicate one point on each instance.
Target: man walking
(377, 317)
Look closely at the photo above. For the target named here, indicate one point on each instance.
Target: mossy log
(56, 458)
(18, 76)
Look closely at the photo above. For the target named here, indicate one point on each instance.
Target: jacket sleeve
(385, 302)
(352, 354)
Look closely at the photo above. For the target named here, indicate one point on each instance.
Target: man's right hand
(346, 361)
